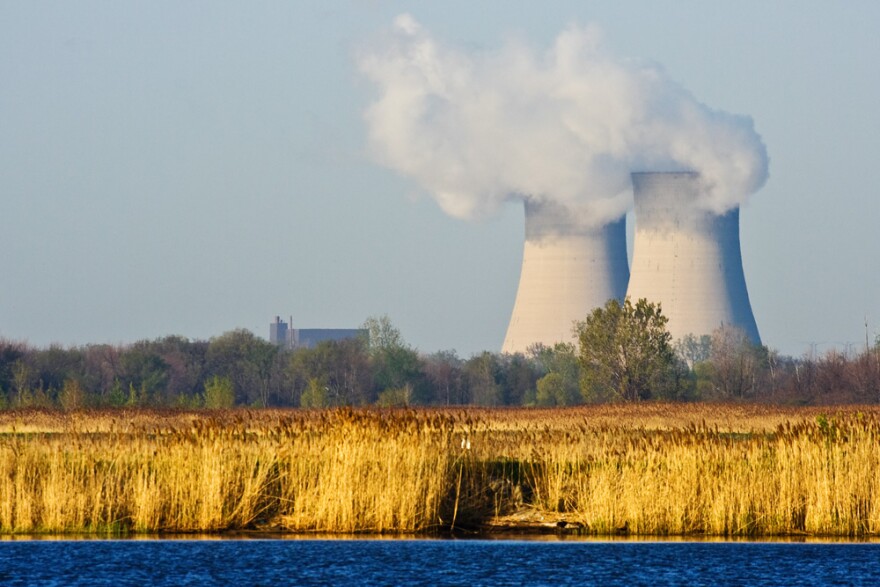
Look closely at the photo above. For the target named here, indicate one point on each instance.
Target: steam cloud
(478, 128)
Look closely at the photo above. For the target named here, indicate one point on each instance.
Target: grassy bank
(641, 469)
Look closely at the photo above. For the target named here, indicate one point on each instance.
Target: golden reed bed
(650, 469)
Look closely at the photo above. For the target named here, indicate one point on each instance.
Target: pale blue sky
(193, 167)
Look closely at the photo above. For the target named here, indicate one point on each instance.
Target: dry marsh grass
(659, 469)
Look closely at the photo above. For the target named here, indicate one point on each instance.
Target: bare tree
(737, 363)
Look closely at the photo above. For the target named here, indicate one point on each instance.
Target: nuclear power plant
(569, 267)
(563, 135)
(685, 257)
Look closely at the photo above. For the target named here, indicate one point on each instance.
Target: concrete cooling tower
(567, 271)
(688, 258)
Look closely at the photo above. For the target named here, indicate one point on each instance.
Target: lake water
(435, 562)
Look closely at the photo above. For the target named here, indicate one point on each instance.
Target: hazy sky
(193, 167)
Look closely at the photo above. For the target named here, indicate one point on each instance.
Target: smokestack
(568, 269)
(688, 258)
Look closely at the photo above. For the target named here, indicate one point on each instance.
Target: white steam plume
(569, 125)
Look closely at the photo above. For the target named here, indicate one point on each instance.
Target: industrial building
(284, 335)
(688, 257)
(685, 256)
(569, 268)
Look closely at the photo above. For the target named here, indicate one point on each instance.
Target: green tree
(219, 393)
(116, 396)
(516, 376)
(11, 355)
(185, 360)
(625, 352)
(315, 394)
(395, 364)
(72, 396)
(395, 398)
(136, 398)
(381, 333)
(551, 389)
(560, 385)
(23, 382)
(482, 374)
(337, 372)
(53, 366)
(247, 360)
(145, 372)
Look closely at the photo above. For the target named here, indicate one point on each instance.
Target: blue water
(435, 562)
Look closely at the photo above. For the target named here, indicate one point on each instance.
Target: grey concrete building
(278, 331)
(570, 267)
(687, 257)
(283, 334)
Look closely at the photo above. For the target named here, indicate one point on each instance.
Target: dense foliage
(240, 369)
(625, 351)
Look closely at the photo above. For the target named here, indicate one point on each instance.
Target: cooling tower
(567, 271)
(688, 258)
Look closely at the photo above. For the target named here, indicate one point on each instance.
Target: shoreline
(526, 534)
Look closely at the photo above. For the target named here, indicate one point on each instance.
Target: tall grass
(644, 469)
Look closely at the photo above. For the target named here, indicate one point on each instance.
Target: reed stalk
(657, 469)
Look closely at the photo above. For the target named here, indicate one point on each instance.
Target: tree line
(622, 352)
